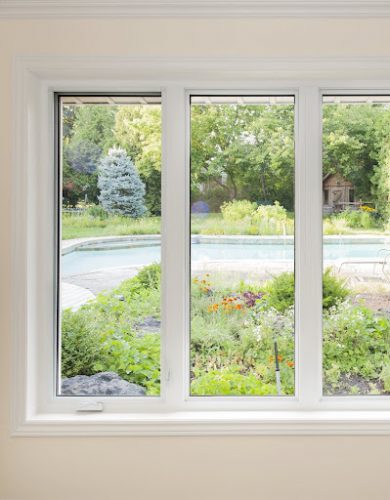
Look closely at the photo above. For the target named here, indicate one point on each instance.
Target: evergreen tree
(121, 189)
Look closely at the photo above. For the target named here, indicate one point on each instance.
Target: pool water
(83, 261)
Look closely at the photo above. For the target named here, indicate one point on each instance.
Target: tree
(87, 133)
(245, 150)
(138, 131)
(350, 143)
(381, 178)
(94, 123)
(121, 189)
(82, 155)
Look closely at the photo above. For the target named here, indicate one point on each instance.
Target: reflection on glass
(109, 265)
(242, 245)
(356, 285)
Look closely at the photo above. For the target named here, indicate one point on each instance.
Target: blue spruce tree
(121, 189)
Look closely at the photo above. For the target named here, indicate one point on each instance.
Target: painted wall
(272, 468)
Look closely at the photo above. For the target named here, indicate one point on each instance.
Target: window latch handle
(90, 406)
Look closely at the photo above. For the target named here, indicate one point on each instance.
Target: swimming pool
(86, 260)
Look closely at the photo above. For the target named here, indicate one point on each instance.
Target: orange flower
(290, 364)
(238, 306)
(213, 308)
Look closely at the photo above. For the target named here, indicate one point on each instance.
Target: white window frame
(35, 408)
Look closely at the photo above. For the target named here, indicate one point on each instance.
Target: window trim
(34, 412)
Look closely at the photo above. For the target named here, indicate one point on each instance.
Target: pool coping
(71, 245)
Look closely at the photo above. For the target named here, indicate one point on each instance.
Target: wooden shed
(338, 193)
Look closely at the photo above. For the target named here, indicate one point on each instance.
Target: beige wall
(293, 468)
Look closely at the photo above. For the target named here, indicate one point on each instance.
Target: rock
(100, 384)
(148, 325)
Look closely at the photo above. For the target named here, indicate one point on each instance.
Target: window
(356, 299)
(242, 245)
(231, 337)
(109, 263)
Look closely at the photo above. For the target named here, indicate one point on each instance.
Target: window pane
(109, 264)
(356, 250)
(242, 245)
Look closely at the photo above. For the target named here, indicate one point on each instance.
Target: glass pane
(109, 264)
(242, 245)
(356, 248)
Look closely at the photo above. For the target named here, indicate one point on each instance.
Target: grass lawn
(82, 226)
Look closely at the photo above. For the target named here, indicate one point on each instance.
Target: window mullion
(174, 245)
(309, 247)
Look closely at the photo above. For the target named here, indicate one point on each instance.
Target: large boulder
(100, 384)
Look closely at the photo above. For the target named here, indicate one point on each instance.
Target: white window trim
(35, 409)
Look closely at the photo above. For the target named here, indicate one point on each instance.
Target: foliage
(232, 348)
(138, 131)
(82, 156)
(79, 345)
(150, 276)
(223, 335)
(103, 335)
(385, 376)
(121, 189)
(279, 292)
(381, 178)
(350, 143)
(252, 146)
(96, 212)
(272, 219)
(136, 359)
(237, 151)
(262, 219)
(364, 218)
(230, 382)
(333, 290)
(94, 123)
(237, 210)
(355, 344)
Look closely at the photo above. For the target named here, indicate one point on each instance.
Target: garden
(234, 333)
(242, 336)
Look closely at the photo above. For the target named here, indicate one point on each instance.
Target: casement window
(197, 257)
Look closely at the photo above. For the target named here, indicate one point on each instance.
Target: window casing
(36, 409)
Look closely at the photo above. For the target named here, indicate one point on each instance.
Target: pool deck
(74, 296)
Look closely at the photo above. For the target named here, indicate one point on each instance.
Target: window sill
(242, 423)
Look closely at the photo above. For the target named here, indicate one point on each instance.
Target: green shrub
(385, 376)
(332, 226)
(135, 359)
(237, 210)
(334, 290)
(80, 344)
(272, 219)
(356, 341)
(280, 291)
(150, 276)
(103, 335)
(96, 212)
(343, 222)
(230, 382)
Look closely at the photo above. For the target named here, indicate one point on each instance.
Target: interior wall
(188, 468)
